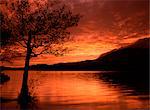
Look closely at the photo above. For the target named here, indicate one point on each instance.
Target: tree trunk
(24, 94)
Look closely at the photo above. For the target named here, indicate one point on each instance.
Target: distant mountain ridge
(132, 57)
(141, 43)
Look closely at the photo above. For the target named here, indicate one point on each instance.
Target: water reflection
(79, 90)
(137, 81)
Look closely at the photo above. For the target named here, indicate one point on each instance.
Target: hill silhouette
(132, 57)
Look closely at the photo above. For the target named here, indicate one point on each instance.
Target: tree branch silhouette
(37, 27)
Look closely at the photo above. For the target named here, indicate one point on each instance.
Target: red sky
(105, 25)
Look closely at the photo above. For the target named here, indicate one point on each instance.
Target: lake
(72, 90)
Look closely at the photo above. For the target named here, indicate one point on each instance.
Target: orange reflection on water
(73, 90)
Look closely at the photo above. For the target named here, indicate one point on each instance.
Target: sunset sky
(105, 25)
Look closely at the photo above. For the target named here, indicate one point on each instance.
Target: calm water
(72, 90)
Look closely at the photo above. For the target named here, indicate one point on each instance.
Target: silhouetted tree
(38, 27)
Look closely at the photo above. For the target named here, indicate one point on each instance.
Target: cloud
(105, 25)
(127, 18)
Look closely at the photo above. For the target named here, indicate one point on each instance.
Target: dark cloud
(105, 25)
(122, 18)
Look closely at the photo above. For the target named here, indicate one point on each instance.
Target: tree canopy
(47, 24)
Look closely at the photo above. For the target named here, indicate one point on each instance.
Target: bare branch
(47, 24)
(22, 44)
(6, 55)
(34, 54)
